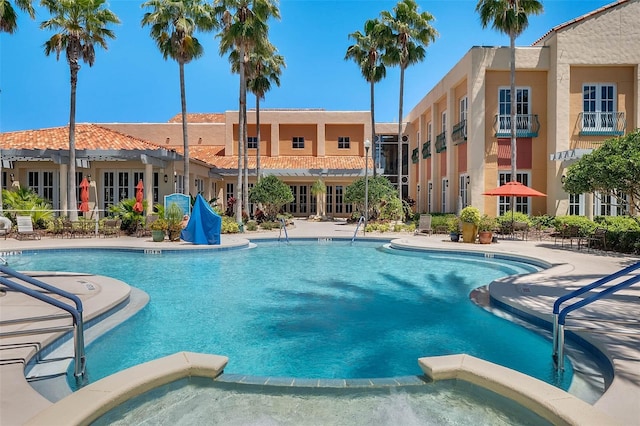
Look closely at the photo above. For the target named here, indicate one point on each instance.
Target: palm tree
(265, 67)
(173, 24)
(80, 26)
(412, 33)
(511, 18)
(367, 53)
(8, 16)
(244, 26)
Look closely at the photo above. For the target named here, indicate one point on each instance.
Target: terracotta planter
(485, 237)
(469, 232)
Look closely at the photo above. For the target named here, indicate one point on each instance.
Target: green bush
(507, 218)
(585, 225)
(470, 214)
(229, 225)
(252, 225)
(268, 224)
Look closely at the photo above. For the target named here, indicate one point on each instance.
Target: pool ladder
(283, 225)
(560, 316)
(75, 311)
(360, 222)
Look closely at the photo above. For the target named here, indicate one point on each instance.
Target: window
(521, 204)
(576, 204)
(252, 142)
(429, 196)
(42, 184)
(463, 109)
(464, 190)
(298, 142)
(522, 109)
(599, 106)
(179, 183)
(199, 186)
(444, 121)
(610, 205)
(445, 188)
(343, 142)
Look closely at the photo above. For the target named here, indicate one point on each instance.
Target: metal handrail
(76, 312)
(3, 261)
(283, 225)
(560, 316)
(360, 221)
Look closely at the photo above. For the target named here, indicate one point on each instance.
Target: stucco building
(576, 86)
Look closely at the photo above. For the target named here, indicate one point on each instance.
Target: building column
(63, 189)
(148, 186)
(588, 205)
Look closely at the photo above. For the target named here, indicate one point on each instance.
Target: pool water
(308, 310)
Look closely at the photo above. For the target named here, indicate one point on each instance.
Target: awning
(570, 155)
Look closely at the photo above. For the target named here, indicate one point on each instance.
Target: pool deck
(533, 294)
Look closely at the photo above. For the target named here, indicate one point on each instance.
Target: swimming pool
(308, 309)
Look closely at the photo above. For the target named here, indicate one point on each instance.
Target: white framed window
(523, 109)
(443, 121)
(43, 184)
(609, 205)
(297, 142)
(445, 189)
(576, 205)
(521, 204)
(599, 107)
(429, 196)
(429, 133)
(463, 109)
(464, 190)
(199, 185)
(344, 142)
(252, 142)
(178, 180)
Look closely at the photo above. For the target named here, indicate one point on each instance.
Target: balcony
(459, 134)
(527, 125)
(414, 156)
(602, 123)
(441, 142)
(426, 149)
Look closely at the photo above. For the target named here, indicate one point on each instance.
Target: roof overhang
(158, 157)
(569, 156)
(294, 172)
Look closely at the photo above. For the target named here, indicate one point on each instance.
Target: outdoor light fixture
(88, 178)
(563, 179)
(12, 177)
(166, 178)
(468, 179)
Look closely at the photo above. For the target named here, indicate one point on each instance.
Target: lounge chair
(25, 228)
(424, 225)
(111, 228)
(597, 239)
(5, 226)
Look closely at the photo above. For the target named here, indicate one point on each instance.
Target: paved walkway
(571, 268)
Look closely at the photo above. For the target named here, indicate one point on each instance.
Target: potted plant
(174, 215)
(159, 229)
(470, 218)
(453, 225)
(485, 229)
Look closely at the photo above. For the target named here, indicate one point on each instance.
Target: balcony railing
(527, 125)
(441, 142)
(602, 123)
(414, 156)
(459, 134)
(426, 149)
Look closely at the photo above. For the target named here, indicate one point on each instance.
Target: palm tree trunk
(185, 140)
(400, 131)
(514, 154)
(373, 130)
(241, 138)
(258, 137)
(72, 208)
(245, 183)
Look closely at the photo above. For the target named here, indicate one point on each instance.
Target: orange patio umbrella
(84, 195)
(514, 189)
(137, 207)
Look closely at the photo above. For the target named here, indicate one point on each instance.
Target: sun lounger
(424, 225)
(25, 228)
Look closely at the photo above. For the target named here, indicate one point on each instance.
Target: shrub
(507, 218)
(585, 225)
(229, 225)
(252, 225)
(470, 214)
(487, 223)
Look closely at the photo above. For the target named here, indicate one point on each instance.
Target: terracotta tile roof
(88, 136)
(200, 118)
(579, 19)
(289, 162)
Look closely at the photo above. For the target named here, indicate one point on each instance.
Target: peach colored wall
(443, 163)
(206, 133)
(460, 92)
(288, 131)
(355, 132)
(265, 139)
(461, 152)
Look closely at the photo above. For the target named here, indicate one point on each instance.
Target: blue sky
(131, 82)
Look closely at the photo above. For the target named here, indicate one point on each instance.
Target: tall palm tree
(9, 17)
(509, 17)
(80, 25)
(173, 25)
(244, 25)
(265, 67)
(367, 53)
(412, 33)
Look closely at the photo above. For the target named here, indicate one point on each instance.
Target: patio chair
(522, 229)
(143, 231)
(25, 228)
(424, 225)
(111, 228)
(597, 239)
(570, 233)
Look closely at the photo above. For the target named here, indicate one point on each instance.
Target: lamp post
(367, 146)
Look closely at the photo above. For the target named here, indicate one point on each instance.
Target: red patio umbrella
(514, 189)
(137, 207)
(84, 195)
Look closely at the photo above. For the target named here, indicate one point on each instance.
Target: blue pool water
(307, 310)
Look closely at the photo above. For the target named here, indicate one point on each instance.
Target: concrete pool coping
(570, 269)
